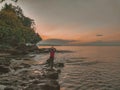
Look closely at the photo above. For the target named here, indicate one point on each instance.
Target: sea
(88, 67)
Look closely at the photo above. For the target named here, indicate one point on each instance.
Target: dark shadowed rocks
(52, 74)
(59, 64)
(44, 85)
(18, 73)
(51, 85)
(9, 88)
(4, 69)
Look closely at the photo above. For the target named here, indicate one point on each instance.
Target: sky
(75, 21)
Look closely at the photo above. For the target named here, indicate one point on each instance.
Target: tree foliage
(15, 28)
(5, 0)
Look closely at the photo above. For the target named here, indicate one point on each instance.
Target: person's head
(52, 46)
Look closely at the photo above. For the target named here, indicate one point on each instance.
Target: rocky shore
(17, 72)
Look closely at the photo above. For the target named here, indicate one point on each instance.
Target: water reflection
(91, 68)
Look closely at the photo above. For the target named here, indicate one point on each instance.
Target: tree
(15, 27)
(5, 0)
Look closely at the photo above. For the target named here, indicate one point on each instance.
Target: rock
(6, 82)
(2, 87)
(25, 65)
(17, 67)
(19, 52)
(52, 74)
(36, 82)
(58, 70)
(26, 58)
(4, 61)
(9, 88)
(59, 65)
(45, 85)
(51, 85)
(4, 69)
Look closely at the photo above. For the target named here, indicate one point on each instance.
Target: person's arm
(49, 49)
(55, 50)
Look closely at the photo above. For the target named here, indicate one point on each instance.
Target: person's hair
(52, 46)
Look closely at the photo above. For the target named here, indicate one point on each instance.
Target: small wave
(90, 63)
(79, 58)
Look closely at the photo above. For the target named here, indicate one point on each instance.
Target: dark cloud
(77, 43)
(99, 35)
(56, 42)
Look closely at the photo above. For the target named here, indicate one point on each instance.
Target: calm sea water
(89, 68)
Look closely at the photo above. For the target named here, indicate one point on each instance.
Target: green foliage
(15, 28)
(5, 0)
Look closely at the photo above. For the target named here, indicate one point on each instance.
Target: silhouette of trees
(15, 28)
(5, 0)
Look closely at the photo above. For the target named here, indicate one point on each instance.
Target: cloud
(83, 20)
(78, 43)
(85, 12)
(101, 43)
(56, 42)
(99, 35)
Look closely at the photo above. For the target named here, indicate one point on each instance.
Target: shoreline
(16, 72)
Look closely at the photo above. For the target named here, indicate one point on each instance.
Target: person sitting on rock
(50, 61)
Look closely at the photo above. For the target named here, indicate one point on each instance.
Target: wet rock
(51, 85)
(4, 61)
(33, 87)
(25, 77)
(45, 85)
(2, 87)
(16, 64)
(36, 82)
(25, 65)
(19, 52)
(59, 65)
(2, 58)
(9, 88)
(58, 70)
(4, 69)
(6, 82)
(18, 67)
(52, 74)
(34, 75)
(26, 58)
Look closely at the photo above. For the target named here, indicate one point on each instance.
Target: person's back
(52, 51)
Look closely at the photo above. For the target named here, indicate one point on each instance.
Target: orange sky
(84, 34)
(81, 20)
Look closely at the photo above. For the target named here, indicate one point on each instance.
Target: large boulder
(45, 85)
(51, 85)
(57, 65)
(52, 74)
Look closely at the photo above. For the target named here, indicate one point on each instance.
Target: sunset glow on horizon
(82, 21)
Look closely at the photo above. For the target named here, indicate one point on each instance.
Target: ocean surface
(88, 67)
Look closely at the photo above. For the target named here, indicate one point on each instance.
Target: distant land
(61, 42)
